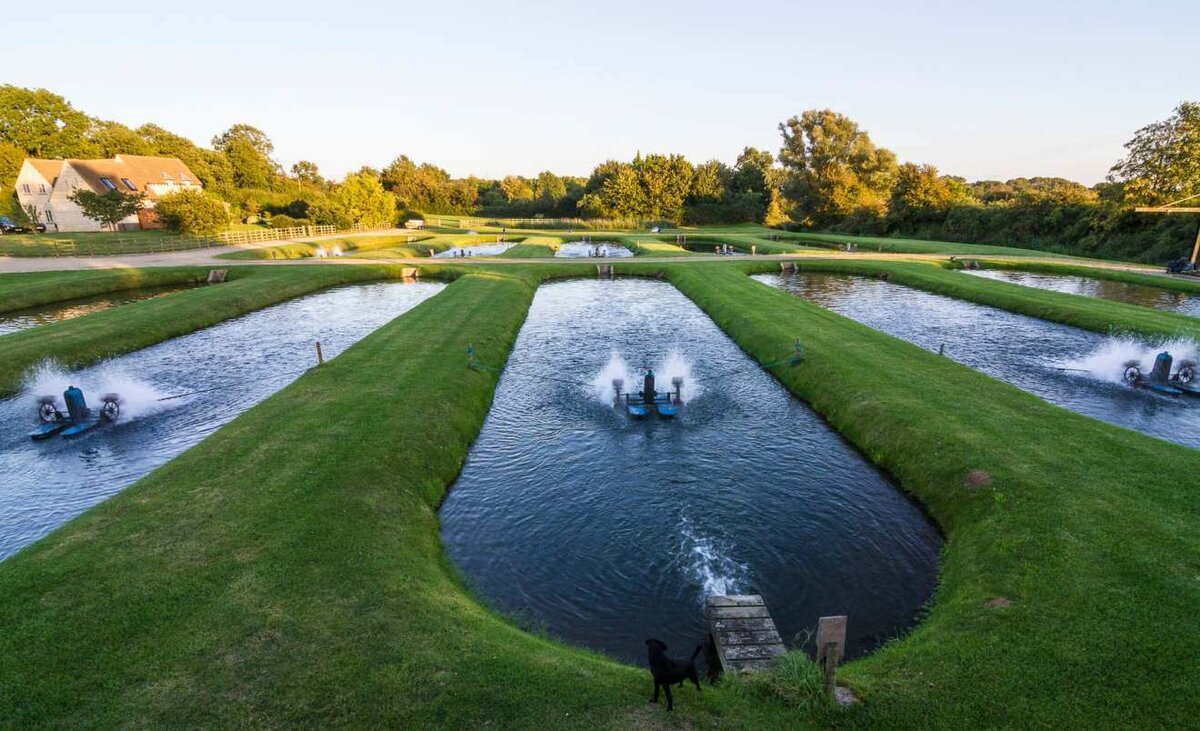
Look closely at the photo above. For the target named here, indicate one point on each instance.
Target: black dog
(668, 672)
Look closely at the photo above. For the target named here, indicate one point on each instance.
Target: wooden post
(831, 645)
(320, 356)
(1196, 248)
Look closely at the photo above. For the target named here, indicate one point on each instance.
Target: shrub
(192, 212)
(285, 221)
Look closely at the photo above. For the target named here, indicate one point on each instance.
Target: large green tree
(834, 170)
(1162, 161)
(44, 124)
(922, 196)
(114, 138)
(248, 150)
(359, 199)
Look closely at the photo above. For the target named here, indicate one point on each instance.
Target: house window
(108, 183)
(25, 186)
(42, 188)
(128, 183)
(49, 216)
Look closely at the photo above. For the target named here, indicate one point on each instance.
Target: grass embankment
(34, 289)
(534, 247)
(1088, 530)
(1089, 313)
(650, 246)
(287, 570)
(1188, 285)
(918, 246)
(90, 338)
(347, 244)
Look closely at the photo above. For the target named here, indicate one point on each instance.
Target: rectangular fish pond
(1127, 292)
(1074, 368)
(172, 396)
(18, 320)
(604, 530)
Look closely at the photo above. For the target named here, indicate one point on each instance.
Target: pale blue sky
(1010, 89)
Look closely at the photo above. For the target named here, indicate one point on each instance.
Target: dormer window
(108, 183)
(128, 183)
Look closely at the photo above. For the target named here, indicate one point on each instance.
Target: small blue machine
(1161, 379)
(78, 417)
(638, 405)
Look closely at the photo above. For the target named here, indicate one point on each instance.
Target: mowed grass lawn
(288, 571)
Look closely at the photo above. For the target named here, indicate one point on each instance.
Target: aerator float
(78, 417)
(1161, 379)
(638, 405)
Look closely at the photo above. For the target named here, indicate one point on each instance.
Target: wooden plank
(735, 601)
(743, 633)
(752, 624)
(753, 652)
(738, 612)
(751, 638)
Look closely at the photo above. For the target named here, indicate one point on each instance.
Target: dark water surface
(57, 312)
(1131, 294)
(606, 531)
(1025, 351)
(44, 484)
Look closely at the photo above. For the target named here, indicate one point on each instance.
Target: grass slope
(534, 247)
(348, 244)
(34, 289)
(90, 338)
(919, 246)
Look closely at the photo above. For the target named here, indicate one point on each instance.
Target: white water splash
(136, 397)
(602, 384)
(672, 365)
(1108, 362)
(675, 364)
(708, 564)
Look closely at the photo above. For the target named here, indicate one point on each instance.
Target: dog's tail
(696, 652)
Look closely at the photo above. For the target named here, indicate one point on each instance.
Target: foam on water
(708, 563)
(1108, 361)
(136, 396)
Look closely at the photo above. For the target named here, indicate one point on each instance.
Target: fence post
(831, 644)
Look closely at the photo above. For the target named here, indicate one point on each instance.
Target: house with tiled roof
(47, 186)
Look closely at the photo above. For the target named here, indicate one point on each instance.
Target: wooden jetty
(742, 632)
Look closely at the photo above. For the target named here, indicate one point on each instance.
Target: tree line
(827, 175)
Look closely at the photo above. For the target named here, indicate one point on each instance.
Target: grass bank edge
(1020, 537)
(22, 290)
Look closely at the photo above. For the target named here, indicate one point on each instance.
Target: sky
(1049, 88)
